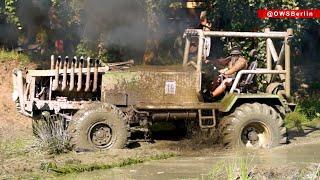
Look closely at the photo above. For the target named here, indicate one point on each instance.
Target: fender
(233, 99)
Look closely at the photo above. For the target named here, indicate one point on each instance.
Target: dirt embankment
(12, 124)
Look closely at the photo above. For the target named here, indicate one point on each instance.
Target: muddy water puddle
(185, 167)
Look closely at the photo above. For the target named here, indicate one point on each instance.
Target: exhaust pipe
(73, 62)
(20, 90)
(52, 62)
(56, 78)
(80, 74)
(65, 68)
(95, 75)
(88, 75)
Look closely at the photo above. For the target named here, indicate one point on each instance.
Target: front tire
(101, 126)
(253, 125)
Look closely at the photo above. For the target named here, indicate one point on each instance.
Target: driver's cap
(235, 52)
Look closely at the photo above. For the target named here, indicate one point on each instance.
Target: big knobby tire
(100, 126)
(253, 125)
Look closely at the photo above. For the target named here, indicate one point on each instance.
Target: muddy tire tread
(228, 124)
(81, 115)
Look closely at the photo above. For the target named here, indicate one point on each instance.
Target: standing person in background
(205, 25)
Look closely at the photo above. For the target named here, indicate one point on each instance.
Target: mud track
(298, 160)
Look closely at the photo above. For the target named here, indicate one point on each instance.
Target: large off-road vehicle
(103, 105)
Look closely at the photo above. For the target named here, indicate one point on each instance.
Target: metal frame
(280, 68)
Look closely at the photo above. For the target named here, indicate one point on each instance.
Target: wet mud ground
(194, 160)
(298, 160)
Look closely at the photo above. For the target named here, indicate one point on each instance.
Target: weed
(52, 135)
(235, 169)
(216, 172)
(244, 168)
(316, 174)
(296, 119)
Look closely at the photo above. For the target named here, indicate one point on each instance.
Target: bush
(310, 107)
(52, 135)
(296, 119)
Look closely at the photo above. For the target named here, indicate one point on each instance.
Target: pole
(186, 52)
(288, 63)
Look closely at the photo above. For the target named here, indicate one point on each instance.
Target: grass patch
(239, 168)
(14, 147)
(77, 167)
(13, 56)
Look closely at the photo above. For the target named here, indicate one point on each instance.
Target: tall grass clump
(238, 168)
(51, 134)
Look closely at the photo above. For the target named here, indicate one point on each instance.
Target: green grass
(13, 56)
(310, 106)
(296, 120)
(306, 113)
(78, 167)
(238, 168)
(16, 147)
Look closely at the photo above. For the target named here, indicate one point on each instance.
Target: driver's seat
(247, 80)
(253, 66)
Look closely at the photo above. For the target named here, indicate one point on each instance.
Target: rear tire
(101, 126)
(253, 125)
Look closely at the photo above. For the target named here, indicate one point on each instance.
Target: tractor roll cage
(277, 66)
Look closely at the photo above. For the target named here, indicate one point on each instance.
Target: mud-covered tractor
(103, 105)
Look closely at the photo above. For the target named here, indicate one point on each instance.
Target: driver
(233, 64)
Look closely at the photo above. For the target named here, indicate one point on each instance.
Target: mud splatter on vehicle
(112, 102)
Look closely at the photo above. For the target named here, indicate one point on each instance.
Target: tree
(242, 16)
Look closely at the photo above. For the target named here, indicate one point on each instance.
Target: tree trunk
(152, 43)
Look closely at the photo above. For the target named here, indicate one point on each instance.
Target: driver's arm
(242, 63)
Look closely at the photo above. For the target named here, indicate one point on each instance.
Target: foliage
(242, 16)
(310, 107)
(87, 49)
(10, 12)
(84, 50)
(306, 112)
(69, 18)
(296, 119)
